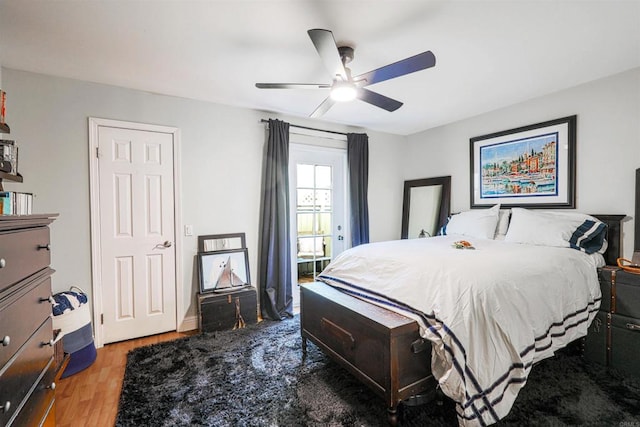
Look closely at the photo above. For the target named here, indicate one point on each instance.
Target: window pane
(305, 200)
(328, 246)
(311, 247)
(324, 223)
(323, 200)
(305, 224)
(323, 176)
(305, 176)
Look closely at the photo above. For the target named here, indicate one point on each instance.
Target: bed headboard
(614, 237)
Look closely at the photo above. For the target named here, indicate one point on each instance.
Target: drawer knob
(6, 340)
(46, 247)
(3, 263)
(45, 343)
(52, 386)
(633, 327)
(5, 407)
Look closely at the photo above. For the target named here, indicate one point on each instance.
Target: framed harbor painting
(531, 166)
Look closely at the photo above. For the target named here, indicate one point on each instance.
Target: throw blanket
(490, 313)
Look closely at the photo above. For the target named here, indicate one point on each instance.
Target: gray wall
(222, 152)
(223, 145)
(608, 145)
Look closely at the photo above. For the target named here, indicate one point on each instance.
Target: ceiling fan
(346, 87)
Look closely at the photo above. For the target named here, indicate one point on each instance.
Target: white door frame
(94, 195)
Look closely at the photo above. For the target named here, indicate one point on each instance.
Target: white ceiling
(490, 54)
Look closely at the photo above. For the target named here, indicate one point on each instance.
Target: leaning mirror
(425, 206)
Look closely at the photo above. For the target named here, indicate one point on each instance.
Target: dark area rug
(257, 377)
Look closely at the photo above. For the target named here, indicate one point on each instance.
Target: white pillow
(503, 224)
(558, 229)
(479, 223)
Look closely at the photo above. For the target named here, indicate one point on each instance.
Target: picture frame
(221, 242)
(223, 271)
(531, 166)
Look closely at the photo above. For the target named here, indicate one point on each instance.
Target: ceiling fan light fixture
(343, 92)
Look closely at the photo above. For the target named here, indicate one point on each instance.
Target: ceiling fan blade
(323, 108)
(378, 100)
(410, 65)
(292, 86)
(325, 44)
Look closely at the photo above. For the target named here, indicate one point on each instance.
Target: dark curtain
(358, 158)
(276, 300)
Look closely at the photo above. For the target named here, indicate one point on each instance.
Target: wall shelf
(9, 177)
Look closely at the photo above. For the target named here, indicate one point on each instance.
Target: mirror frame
(445, 200)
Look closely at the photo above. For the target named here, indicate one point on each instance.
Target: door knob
(167, 244)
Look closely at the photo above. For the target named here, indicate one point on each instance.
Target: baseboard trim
(189, 324)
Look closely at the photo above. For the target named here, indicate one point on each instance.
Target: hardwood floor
(90, 397)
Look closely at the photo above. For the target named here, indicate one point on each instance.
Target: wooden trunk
(228, 310)
(381, 348)
(614, 335)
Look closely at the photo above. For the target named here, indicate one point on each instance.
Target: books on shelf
(16, 203)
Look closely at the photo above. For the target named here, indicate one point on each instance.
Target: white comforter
(490, 313)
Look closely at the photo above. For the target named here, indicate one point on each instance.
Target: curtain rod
(309, 128)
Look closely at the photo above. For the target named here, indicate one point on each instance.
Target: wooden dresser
(26, 338)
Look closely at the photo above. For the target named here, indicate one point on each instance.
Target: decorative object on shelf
(8, 150)
(3, 108)
(8, 156)
(531, 166)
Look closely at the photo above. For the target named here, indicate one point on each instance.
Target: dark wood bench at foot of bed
(381, 348)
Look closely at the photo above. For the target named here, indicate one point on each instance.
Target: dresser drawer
(24, 313)
(23, 371)
(23, 253)
(38, 407)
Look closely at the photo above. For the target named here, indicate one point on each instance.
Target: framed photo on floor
(223, 271)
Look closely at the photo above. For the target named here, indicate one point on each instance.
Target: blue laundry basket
(72, 316)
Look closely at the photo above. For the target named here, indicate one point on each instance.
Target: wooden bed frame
(381, 348)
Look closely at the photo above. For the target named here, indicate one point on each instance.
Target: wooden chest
(614, 335)
(381, 348)
(229, 310)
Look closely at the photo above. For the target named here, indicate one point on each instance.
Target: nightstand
(234, 309)
(614, 335)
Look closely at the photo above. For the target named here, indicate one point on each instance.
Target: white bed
(489, 312)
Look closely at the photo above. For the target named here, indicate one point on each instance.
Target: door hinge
(102, 318)
(97, 152)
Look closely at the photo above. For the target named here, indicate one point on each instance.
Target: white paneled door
(137, 236)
